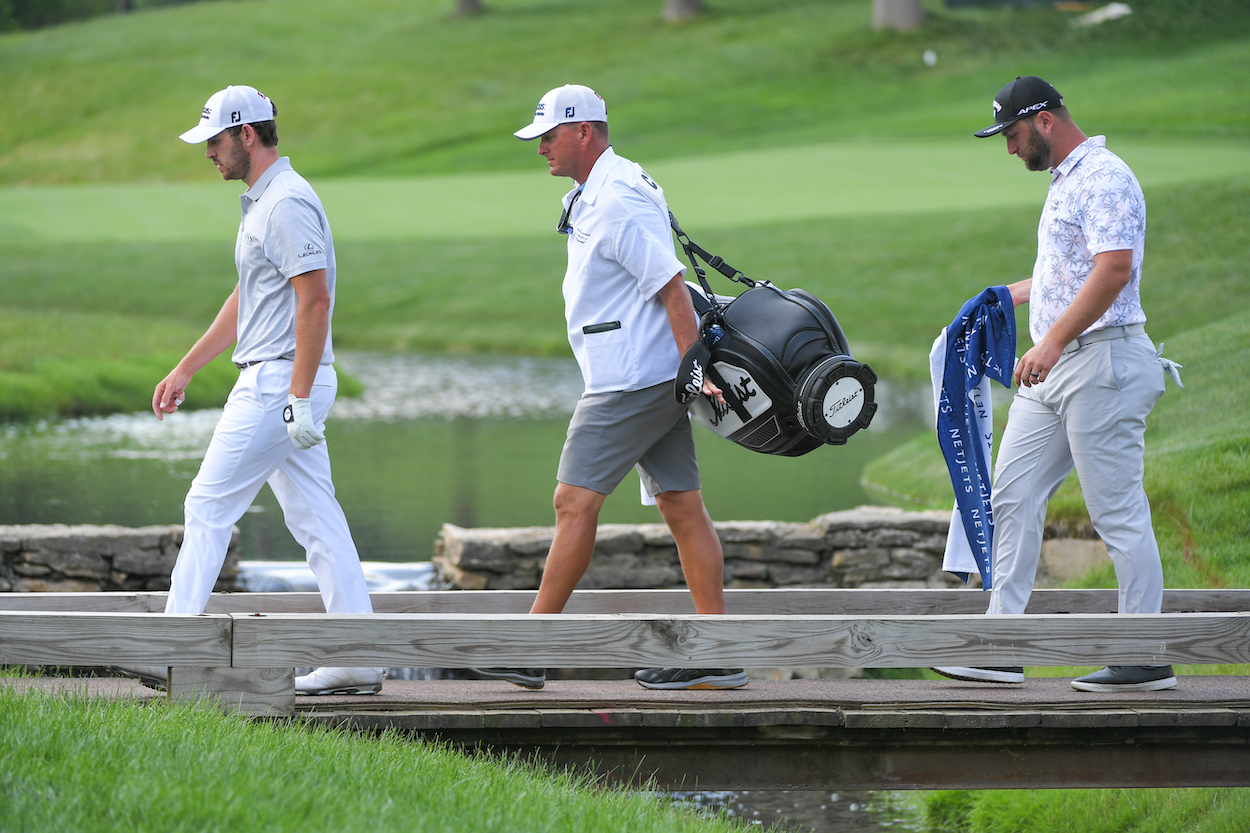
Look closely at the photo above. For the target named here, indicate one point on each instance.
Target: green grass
(81, 363)
(819, 154)
(1088, 811)
(78, 363)
(795, 183)
(892, 280)
(387, 87)
(790, 139)
(74, 763)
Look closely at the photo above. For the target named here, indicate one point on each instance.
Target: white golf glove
(1171, 368)
(299, 422)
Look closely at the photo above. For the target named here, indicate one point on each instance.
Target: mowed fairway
(849, 179)
(893, 236)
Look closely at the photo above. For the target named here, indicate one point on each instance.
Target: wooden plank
(1188, 717)
(690, 718)
(784, 601)
(84, 602)
(44, 638)
(636, 640)
(607, 718)
(256, 692)
(512, 719)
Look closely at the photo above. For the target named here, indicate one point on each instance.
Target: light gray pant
(251, 446)
(1089, 413)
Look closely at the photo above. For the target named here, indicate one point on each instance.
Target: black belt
(246, 365)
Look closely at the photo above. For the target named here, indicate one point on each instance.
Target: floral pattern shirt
(1094, 205)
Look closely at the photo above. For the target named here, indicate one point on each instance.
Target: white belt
(1105, 334)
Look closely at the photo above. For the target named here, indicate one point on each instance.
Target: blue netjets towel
(979, 345)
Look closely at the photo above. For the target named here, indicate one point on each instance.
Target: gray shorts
(645, 428)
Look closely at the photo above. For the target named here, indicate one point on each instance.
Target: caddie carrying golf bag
(781, 361)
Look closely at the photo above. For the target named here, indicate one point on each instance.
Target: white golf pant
(1089, 413)
(249, 447)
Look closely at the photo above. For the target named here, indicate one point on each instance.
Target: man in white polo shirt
(630, 321)
(1089, 380)
(272, 428)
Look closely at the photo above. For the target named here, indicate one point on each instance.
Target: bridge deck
(817, 734)
(837, 734)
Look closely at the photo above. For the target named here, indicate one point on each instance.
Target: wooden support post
(255, 692)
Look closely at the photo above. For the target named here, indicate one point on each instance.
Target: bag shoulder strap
(715, 261)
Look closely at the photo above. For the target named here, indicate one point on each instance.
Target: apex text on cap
(1020, 99)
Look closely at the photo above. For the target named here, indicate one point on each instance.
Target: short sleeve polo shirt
(1094, 205)
(284, 233)
(620, 255)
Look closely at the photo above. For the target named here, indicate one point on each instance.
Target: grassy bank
(398, 87)
(70, 363)
(70, 763)
(727, 110)
(794, 141)
(1088, 811)
(98, 310)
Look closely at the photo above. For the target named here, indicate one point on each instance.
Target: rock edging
(865, 547)
(52, 558)
(868, 547)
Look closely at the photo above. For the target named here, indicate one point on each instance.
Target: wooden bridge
(796, 734)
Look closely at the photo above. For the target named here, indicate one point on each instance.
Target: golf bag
(782, 363)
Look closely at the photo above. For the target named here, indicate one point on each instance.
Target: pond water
(810, 811)
(467, 440)
(472, 441)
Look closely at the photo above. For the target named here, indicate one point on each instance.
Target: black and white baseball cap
(570, 103)
(230, 107)
(1020, 99)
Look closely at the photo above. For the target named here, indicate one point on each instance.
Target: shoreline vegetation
(75, 763)
(89, 326)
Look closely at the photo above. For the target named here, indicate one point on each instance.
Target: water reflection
(807, 811)
(472, 441)
(407, 386)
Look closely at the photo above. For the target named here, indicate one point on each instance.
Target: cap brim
(994, 128)
(534, 130)
(200, 133)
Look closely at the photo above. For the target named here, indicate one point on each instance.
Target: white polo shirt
(284, 233)
(1094, 205)
(620, 255)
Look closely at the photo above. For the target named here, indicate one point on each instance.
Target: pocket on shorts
(607, 357)
(1135, 369)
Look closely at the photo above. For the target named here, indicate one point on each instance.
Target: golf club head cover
(690, 374)
(299, 422)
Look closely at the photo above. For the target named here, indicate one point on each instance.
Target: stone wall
(872, 546)
(61, 558)
(865, 547)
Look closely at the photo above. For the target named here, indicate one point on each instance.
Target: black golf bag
(782, 363)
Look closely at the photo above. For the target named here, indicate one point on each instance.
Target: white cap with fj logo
(230, 107)
(570, 103)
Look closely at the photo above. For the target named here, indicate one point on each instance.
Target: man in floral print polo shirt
(1089, 380)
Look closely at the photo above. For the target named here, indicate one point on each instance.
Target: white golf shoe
(340, 681)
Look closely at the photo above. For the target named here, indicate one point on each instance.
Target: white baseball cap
(230, 107)
(570, 103)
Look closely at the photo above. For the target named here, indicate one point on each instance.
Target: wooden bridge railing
(821, 601)
(220, 651)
